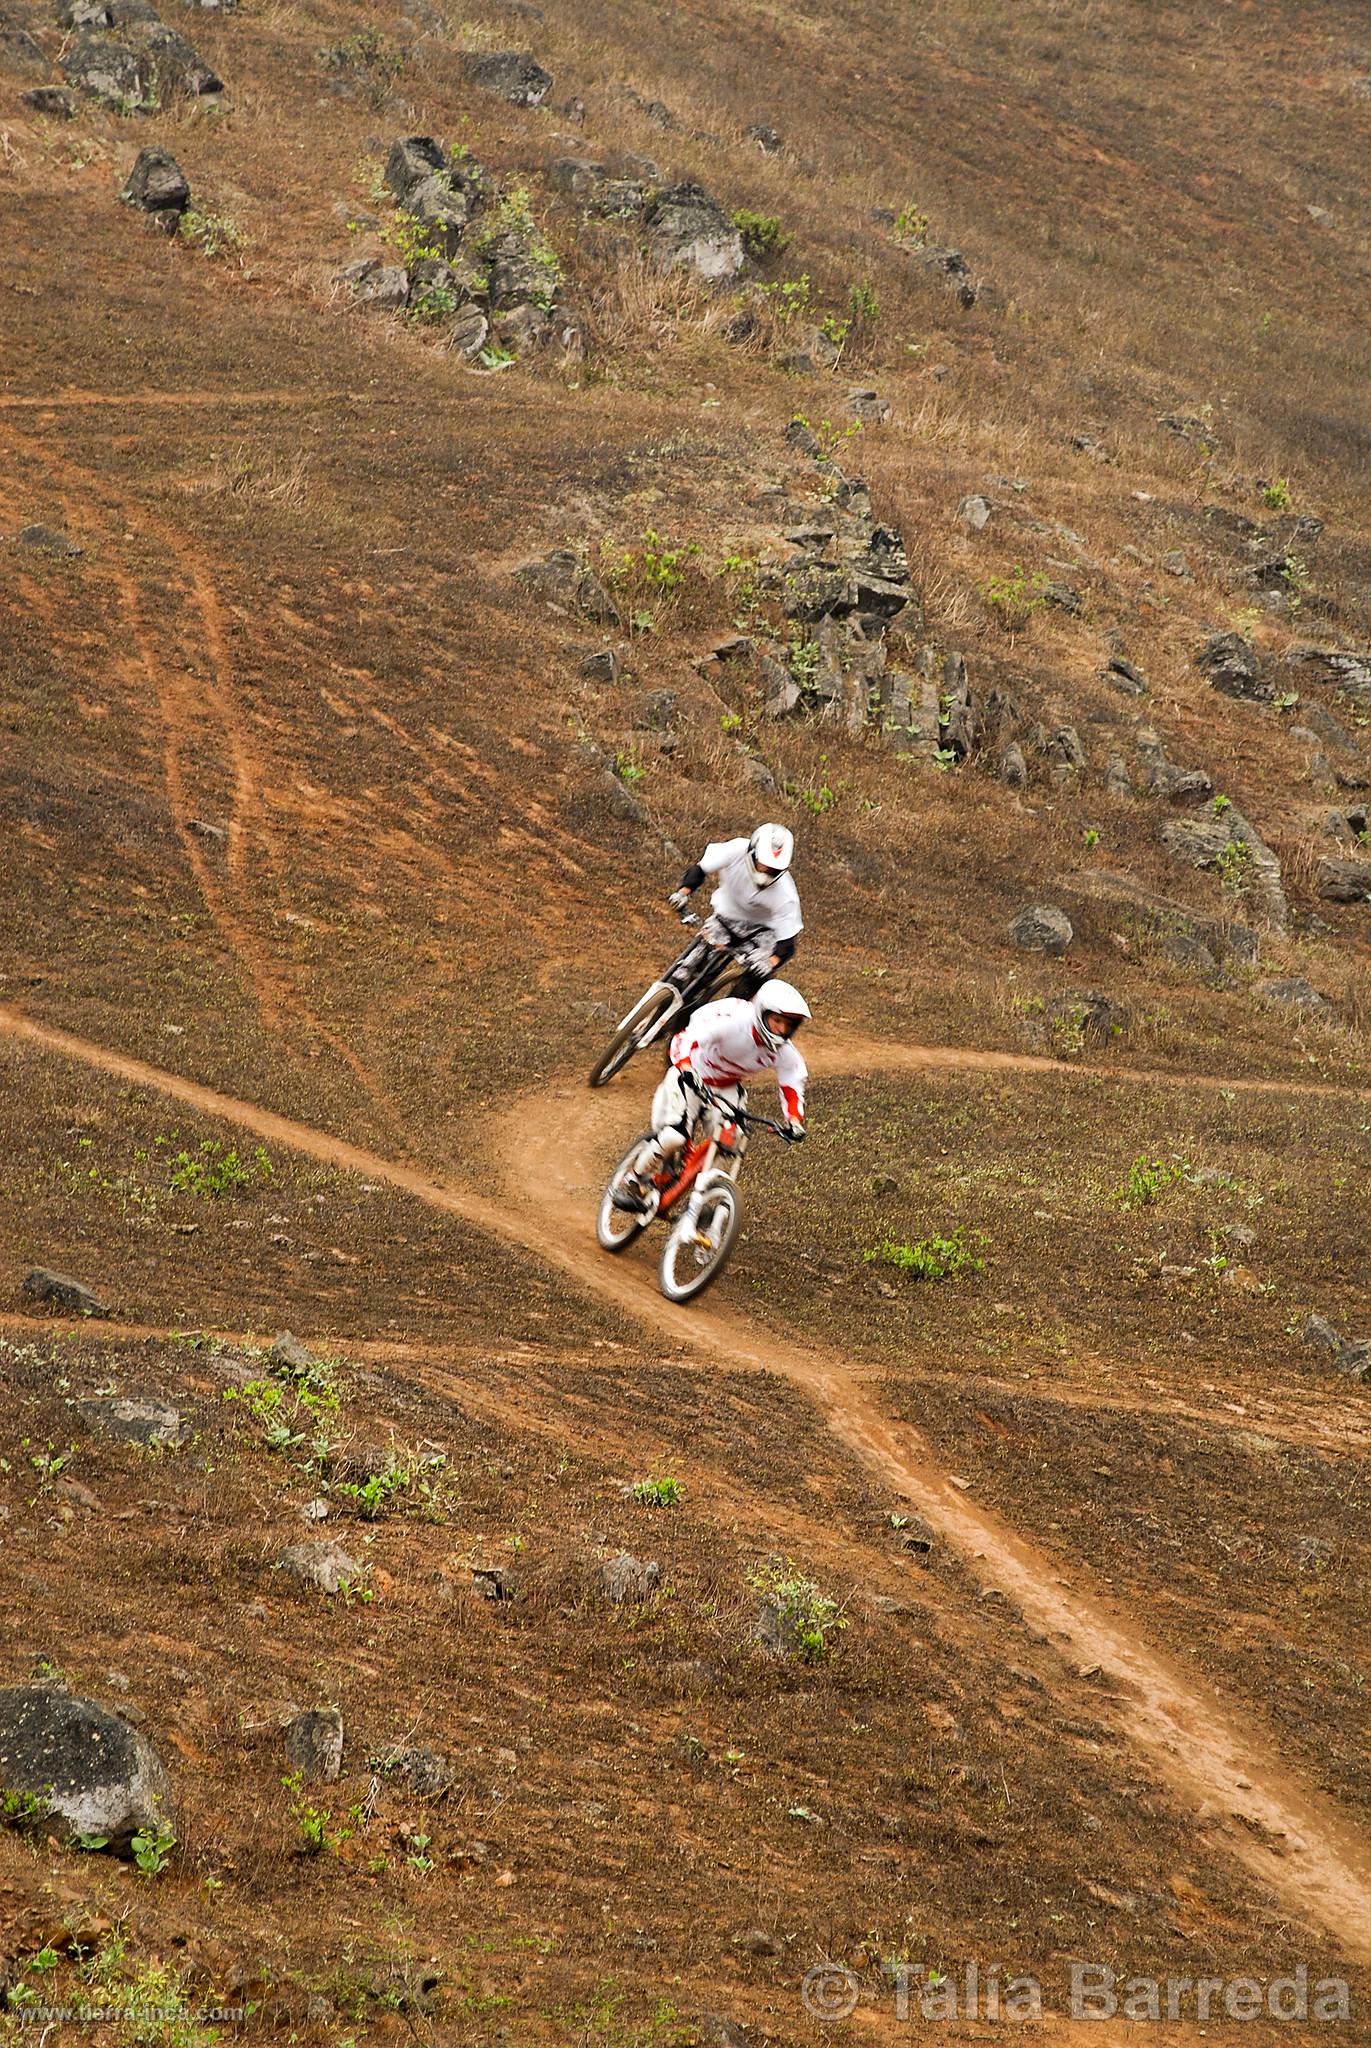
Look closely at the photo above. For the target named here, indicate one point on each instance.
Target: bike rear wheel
(635, 1031)
(696, 1252)
(618, 1228)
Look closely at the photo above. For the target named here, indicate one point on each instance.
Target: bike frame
(722, 1133)
(714, 963)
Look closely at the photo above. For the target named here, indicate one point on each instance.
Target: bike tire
(616, 1229)
(633, 1034)
(687, 1268)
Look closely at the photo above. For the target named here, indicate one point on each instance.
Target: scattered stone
(45, 1289)
(379, 287)
(324, 1566)
(974, 513)
(767, 138)
(314, 1744)
(512, 75)
(469, 332)
(1318, 1333)
(96, 1772)
(53, 100)
(492, 1582)
(1013, 767)
(138, 1418)
(814, 353)
(289, 1356)
(563, 580)
(49, 541)
(135, 66)
(413, 159)
(1351, 1357)
(1232, 666)
(1042, 929)
(1344, 881)
(601, 666)
(1240, 1234)
(1065, 597)
(1117, 780)
(627, 1578)
(19, 51)
(214, 835)
(1293, 991)
(1176, 564)
(757, 1942)
(1165, 778)
(690, 229)
(868, 407)
(427, 1773)
(716, 2030)
(1122, 675)
(1229, 846)
(157, 184)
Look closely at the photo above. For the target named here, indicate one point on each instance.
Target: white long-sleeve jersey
(722, 1046)
(776, 909)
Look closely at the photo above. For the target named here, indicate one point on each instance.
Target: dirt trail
(1289, 1837)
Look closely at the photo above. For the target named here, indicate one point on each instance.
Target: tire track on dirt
(1288, 1836)
(177, 695)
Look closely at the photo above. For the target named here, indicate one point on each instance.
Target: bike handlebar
(746, 1118)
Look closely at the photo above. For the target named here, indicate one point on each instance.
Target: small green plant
(311, 1822)
(932, 1258)
(911, 225)
(402, 1482)
(791, 295)
(24, 1810)
(1016, 597)
(296, 1418)
(808, 1618)
(816, 801)
(628, 767)
(1295, 576)
(802, 659)
(47, 1461)
(412, 240)
(1277, 495)
(213, 234)
(417, 1847)
(1222, 804)
(863, 304)
(1146, 1183)
(1090, 839)
(762, 233)
(1234, 866)
(730, 721)
(368, 55)
(944, 759)
(658, 1493)
(1287, 701)
(495, 356)
(152, 1847)
(662, 564)
(212, 1172)
(431, 303)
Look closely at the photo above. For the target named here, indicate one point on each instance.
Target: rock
(492, 1582)
(1292, 991)
(1228, 845)
(716, 2030)
(868, 407)
(1080, 1017)
(1117, 780)
(95, 1772)
(511, 75)
(627, 1578)
(689, 229)
(1013, 767)
(289, 1356)
(1232, 666)
(564, 580)
(812, 354)
(324, 1566)
(48, 541)
(657, 712)
(46, 1289)
(1240, 1234)
(974, 513)
(314, 1744)
(427, 1773)
(384, 288)
(469, 332)
(1065, 597)
(767, 138)
(522, 328)
(757, 1942)
(1042, 928)
(601, 666)
(441, 209)
(1344, 881)
(53, 100)
(138, 1418)
(413, 159)
(157, 184)
(19, 51)
(1122, 675)
(1354, 1360)
(1318, 1333)
(1175, 564)
(1165, 778)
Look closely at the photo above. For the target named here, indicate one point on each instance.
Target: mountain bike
(693, 978)
(698, 1190)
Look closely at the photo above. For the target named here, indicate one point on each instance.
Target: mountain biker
(724, 1045)
(756, 900)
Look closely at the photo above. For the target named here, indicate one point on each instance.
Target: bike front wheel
(698, 1248)
(633, 1034)
(617, 1228)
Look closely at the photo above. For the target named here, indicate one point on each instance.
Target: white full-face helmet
(770, 851)
(779, 999)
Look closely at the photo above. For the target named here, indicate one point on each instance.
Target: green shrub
(658, 1493)
(808, 1618)
(762, 234)
(932, 1258)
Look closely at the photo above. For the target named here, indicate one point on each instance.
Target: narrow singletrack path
(1219, 1765)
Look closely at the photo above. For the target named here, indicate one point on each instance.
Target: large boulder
(46, 1289)
(1233, 666)
(137, 1418)
(690, 229)
(1227, 845)
(1042, 928)
(157, 184)
(89, 1767)
(625, 1578)
(18, 49)
(562, 579)
(512, 75)
(1344, 881)
(108, 70)
(326, 1567)
(442, 210)
(412, 159)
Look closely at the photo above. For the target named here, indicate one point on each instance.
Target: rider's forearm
(692, 877)
(781, 951)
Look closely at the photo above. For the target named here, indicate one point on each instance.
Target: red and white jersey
(723, 1047)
